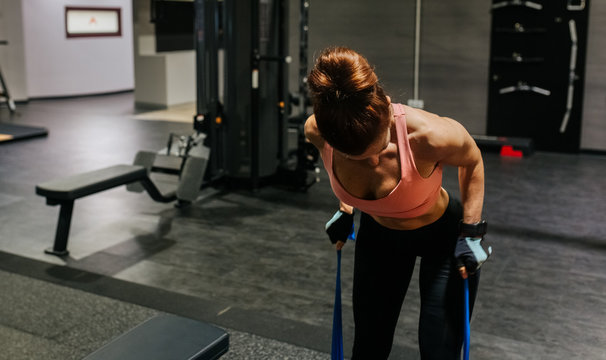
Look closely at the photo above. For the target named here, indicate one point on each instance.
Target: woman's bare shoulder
(432, 134)
(420, 124)
(312, 133)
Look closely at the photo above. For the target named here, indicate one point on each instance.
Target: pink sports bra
(413, 196)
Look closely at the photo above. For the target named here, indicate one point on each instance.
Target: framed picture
(91, 22)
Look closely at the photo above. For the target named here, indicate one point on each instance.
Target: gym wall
(454, 49)
(58, 66)
(455, 52)
(593, 131)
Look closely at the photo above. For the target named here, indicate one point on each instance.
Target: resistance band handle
(337, 325)
(466, 329)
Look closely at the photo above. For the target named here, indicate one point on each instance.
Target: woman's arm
(460, 149)
(348, 209)
(444, 140)
(313, 135)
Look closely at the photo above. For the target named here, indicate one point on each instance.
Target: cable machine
(242, 93)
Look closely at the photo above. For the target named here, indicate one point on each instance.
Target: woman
(386, 160)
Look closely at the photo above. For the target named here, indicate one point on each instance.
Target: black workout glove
(340, 227)
(471, 251)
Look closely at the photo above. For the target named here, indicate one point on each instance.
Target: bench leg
(65, 218)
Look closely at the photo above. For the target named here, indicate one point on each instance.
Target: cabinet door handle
(530, 4)
(579, 6)
(572, 76)
(524, 87)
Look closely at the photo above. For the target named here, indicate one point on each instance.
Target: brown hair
(350, 106)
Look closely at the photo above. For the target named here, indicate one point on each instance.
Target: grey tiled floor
(53, 322)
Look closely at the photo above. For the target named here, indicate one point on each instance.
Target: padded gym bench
(66, 190)
(166, 337)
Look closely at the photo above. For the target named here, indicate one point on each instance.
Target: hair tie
(341, 95)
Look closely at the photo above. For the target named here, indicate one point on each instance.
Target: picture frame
(92, 22)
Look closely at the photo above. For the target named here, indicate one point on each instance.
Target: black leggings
(384, 263)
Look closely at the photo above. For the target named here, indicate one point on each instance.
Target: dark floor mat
(11, 132)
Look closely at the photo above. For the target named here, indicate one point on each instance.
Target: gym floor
(259, 265)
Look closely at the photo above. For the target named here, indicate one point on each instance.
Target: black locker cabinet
(537, 66)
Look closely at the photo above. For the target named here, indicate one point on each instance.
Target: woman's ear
(388, 99)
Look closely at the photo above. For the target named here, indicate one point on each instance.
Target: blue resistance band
(337, 324)
(466, 330)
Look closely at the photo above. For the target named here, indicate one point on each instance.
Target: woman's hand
(341, 226)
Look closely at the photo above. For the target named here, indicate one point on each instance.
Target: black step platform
(12, 132)
(509, 146)
(166, 337)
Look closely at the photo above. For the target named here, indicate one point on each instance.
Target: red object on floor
(507, 150)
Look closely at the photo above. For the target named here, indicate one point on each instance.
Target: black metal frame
(4, 88)
(254, 95)
(208, 117)
(220, 26)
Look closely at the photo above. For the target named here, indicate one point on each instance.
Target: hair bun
(340, 75)
(350, 106)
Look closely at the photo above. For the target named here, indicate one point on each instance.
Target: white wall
(161, 79)
(12, 55)
(58, 66)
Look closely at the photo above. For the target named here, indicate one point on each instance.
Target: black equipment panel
(537, 66)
